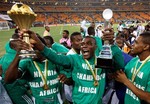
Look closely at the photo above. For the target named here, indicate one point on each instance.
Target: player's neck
(144, 55)
(77, 50)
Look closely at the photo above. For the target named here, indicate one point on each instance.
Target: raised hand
(120, 76)
(108, 34)
(19, 44)
(34, 40)
(62, 78)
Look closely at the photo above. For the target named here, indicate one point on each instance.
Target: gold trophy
(23, 16)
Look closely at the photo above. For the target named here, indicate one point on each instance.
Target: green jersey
(117, 58)
(99, 45)
(83, 34)
(141, 81)
(34, 79)
(16, 90)
(59, 48)
(84, 90)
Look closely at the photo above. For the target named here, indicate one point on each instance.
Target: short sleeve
(23, 65)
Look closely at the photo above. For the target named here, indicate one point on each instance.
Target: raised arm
(62, 60)
(49, 53)
(116, 52)
(117, 57)
(12, 72)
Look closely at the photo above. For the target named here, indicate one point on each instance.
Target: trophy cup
(23, 16)
(104, 60)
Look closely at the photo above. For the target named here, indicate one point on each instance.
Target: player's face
(65, 35)
(88, 47)
(48, 44)
(76, 42)
(120, 43)
(138, 46)
(48, 28)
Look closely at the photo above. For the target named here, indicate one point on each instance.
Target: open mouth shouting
(85, 53)
(88, 47)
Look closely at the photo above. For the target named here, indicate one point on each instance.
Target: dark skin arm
(35, 41)
(12, 72)
(143, 95)
(16, 44)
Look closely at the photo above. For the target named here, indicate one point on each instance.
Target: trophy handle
(26, 38)
(27, 53)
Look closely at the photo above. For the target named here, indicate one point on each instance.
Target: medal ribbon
(43, 77)
(135, 72)
(94, 74)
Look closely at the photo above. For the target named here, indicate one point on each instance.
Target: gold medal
(45, 87)
(95, 83)
(93, 71)
(43, 76)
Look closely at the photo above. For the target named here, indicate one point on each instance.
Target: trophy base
(27, 54)
(104, 63)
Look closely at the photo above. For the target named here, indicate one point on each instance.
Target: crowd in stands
(76, 18)
(68, 12)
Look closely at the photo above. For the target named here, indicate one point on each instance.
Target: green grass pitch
(56, 32)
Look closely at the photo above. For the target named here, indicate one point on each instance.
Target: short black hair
(91, 31)
(74, 34)
(66, 31)
(49, 38)
(15, 36)
(119, 37)
(91, 38)
(146, 37)
(17, 30)
(46, 27)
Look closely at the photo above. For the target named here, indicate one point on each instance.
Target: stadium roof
(5, 17)
(78, 5)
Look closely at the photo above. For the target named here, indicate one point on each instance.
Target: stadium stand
(74, 11)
